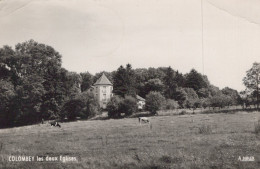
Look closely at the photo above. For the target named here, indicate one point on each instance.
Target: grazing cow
(55, 124)
(58, 125)
(143, 119)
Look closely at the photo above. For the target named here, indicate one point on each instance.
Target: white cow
(144, 120)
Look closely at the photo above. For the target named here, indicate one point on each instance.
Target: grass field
(178, 141)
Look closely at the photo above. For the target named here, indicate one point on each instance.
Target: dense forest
(35, 86)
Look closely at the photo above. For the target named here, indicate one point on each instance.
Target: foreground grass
(171, 142)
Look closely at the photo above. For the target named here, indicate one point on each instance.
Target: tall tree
(180, 95)
(252, 80)
(74, 81)
(10, 65)
(87, 81)
(159, 73)
(36, 74)
(124, 81)
(154, 102)
(7, 95)
(214, 91)
(153, 85)
(195, 80)
(142, 77)
(233, 94)
(170, 83)
(179, 78)
(29, 100)
(191, 98)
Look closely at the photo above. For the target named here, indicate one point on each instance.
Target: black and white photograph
(129, 84)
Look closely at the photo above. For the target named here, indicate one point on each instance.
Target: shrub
(71, 109)
(91, 106)
(154, 102)
(183, 112)
(171, 104)
(128, 105)
(113, 107)
(219, 101)
(205, 129)
(84, 105)
(118, 105)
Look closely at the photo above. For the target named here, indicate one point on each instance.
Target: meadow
(179, 141)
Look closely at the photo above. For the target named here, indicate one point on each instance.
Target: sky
(101, 35)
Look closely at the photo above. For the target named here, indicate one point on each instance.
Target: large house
(102, 90)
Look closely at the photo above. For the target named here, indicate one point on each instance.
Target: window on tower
(104, 97)
(104, 89)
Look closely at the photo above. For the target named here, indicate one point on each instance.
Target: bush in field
(128, 105)
(183, 112)
(171, 104)
(154, 102)
(193, 103)
(113, 107)
(220, 101)
(84, 105)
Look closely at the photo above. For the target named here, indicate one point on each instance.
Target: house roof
(139, 98)
(103, 80)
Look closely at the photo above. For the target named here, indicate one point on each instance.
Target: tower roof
(139, 98)
(103, 80)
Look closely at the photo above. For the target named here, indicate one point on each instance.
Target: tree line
(35, 86)
(166, 88)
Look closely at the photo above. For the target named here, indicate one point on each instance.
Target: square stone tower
(103, 90)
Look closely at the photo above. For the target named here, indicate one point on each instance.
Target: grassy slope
(173, 142)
